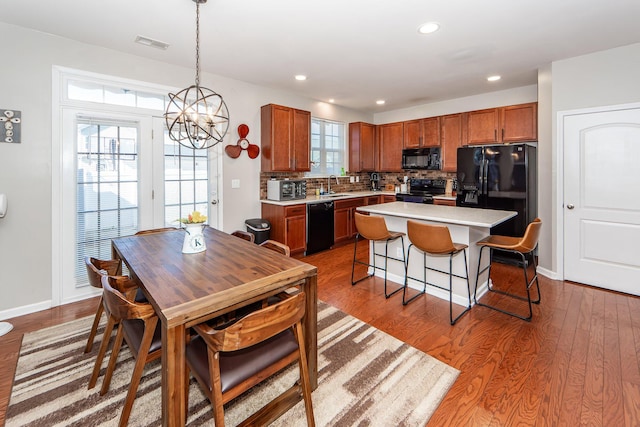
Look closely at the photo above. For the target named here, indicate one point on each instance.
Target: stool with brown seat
(523, 247)
(435, 240)
(230, 361)
(374, 228)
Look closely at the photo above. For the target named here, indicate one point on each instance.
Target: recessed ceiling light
(428, 28)
(380, 101)
(493, 78)
(332, 100)
(151, 42)
(301, 77)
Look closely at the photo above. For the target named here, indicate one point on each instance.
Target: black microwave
(421, 158)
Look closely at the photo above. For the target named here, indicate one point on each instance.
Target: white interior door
(602, 199)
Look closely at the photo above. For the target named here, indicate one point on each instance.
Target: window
(327, 147)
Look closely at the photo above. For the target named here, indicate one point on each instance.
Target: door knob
(570, 206)
(214, 202)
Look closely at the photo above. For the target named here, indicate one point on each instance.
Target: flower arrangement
(194, 217)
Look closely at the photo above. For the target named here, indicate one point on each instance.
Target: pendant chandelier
(197, 117)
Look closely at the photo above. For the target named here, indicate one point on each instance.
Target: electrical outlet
(357, 179)
(352, 179)
(235, 183)
(399, 252)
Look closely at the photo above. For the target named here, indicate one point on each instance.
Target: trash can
(260, 228)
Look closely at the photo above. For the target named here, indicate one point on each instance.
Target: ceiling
(353, 51)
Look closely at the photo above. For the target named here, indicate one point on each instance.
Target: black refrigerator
(500, 177)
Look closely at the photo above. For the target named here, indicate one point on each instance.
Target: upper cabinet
(390, 137)
(285, 139)
(362, 152)
(450, 138)
(422, 133)
(514, 123)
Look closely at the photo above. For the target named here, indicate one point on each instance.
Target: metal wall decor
(243, 143)
(10, 121)
(197, 117)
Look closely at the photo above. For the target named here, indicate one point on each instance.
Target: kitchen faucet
(329, 183)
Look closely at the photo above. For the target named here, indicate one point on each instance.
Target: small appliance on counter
(422, 190)
(280, 190)
(375, 181)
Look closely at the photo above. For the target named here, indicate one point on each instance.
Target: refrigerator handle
(485, 186)
(481, 189)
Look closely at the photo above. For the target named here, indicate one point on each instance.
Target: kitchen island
(466, 225)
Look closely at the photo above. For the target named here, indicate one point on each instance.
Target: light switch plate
(235, 183)
(352, 179)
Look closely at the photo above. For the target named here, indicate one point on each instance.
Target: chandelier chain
(197, 44)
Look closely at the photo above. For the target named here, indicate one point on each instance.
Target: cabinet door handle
(502, 134)
(495, 135)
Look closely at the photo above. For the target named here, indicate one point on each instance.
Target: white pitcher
(193, 239)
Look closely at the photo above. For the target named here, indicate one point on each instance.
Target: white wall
(25, 168)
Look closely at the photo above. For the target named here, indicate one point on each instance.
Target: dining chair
(96, 268)
(523, 247)
(138, 326)
(227, 362)
(249, 237)
(156, 230)
(276, 246)
(374, 228)
(435, 241)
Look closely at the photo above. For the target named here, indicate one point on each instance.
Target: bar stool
(374, 228)
(524, 247)
(435, 240)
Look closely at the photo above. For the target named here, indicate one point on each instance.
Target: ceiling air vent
(151, 42)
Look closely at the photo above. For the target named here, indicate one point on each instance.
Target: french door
(119, 174)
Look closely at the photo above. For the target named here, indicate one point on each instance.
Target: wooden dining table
(187, 289)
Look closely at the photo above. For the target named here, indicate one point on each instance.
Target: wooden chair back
(156, 230)
(271, 326)
(276, 246)
(96, 268)
(118, 305)
(249, 237)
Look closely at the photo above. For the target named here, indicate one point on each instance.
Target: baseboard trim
(25, 309)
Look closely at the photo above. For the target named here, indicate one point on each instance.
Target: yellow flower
(194, 218)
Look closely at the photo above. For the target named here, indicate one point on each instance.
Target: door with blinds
(120, 174)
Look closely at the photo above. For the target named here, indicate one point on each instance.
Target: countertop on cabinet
(329, 197)
(445, 214)
(444, 197)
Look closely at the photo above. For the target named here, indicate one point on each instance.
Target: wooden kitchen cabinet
(388, 198)
(362, 150)
(344, 225)
(390, 137)
(513, 123)
(450, 139)
(422, 133)
(285, 139)
(444, 202)
(288, 225)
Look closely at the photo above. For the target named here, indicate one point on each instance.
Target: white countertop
(446, 214)
(327, 198)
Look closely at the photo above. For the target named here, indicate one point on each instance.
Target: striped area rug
(366, 378)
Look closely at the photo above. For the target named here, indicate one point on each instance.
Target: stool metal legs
(528, 283)
(374, 266)
(425, 283)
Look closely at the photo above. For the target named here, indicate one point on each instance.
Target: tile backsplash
(344, 184)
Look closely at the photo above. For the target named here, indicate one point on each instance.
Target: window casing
(328, 152)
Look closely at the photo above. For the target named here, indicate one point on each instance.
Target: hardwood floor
(576, 363)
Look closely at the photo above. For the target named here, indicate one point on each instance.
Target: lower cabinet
(288, 225)
(344, 226)
(388, 198)
(445, 202)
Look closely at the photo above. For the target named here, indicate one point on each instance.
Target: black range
(422, 190)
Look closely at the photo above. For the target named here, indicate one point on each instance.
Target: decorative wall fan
(234, 151)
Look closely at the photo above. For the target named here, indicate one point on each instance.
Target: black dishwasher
(319, 227)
